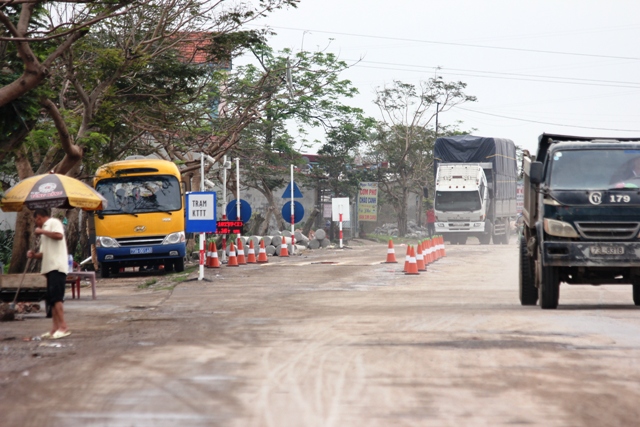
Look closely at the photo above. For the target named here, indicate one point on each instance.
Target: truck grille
(608, 230)
(140, 241)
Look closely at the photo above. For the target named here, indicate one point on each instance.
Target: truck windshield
(594, 169)
(140, 194)
(457, 201)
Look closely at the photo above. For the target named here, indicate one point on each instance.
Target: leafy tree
(404, 139)
(311, 97)
(127, 87)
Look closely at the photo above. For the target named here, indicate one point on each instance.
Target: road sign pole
(341, 228)
(293, 218)
(202, 235)
(238, 190)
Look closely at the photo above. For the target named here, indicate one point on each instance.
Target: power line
(566, 79)
(585, 83)
(478, 46)
(545, 123)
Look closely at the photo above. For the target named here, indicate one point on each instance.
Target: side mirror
(535, 173)
(425, 192)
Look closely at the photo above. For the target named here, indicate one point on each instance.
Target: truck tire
(549, 289)
(105, 270)
(485, 238)
(636, 291)
(178, 265)
(528, 291)
(507, 232)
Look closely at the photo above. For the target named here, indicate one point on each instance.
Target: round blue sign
(298, 212)
(232, 211)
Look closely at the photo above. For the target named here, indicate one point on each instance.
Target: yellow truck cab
(143, 223)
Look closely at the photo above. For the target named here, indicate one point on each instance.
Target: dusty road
(303, 342)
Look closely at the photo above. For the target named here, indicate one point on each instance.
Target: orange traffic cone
(413, 266)
(444, 253)
(432, 249)
(406, 258)
(439, 247)
(262, 253)
(424, 253)
(233, 260)
(420, 258)
(391, 254)
(427, 251)
(241, 258)
(207, 260)
(215, 262)
(251, 256)
(284, 250)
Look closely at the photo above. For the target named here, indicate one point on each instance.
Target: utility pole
(437, 109)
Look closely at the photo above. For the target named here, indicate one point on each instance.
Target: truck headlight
(173, 238)
(106, 242)
(559, 228)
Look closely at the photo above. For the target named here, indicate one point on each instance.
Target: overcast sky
(561, 66)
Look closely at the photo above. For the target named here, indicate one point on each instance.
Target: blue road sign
(296, 192)
(298, 212)
(245, 211)
(201, 212)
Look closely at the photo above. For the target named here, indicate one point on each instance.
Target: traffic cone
(251, 256)
(391, 254)
(215, 262)
(233, 260)
(434, 254)
(406, 258)
(425, 254)
(284, 251)
(210, 254)
(444, 253)
(439, 243)
(413, 266)
(427, 251)
(241, 258)
(420, 258)
(207, 260)
(262, 253)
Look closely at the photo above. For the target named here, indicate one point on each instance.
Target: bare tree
(404, 140)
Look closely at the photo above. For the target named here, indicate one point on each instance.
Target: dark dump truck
(475, 188)
(581, 216)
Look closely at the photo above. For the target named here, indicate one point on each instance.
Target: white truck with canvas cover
(461, 201)
(475, 189)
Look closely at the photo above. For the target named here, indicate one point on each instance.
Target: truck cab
(581, 216)
(460, 202)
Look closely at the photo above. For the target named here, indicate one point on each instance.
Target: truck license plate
(136, 251)
(607, 250)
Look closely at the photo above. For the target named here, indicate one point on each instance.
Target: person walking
(53, 253)
(431, 222)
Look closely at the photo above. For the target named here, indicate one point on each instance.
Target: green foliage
(6, 245)
(337, 155)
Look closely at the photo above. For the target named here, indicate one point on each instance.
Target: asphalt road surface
(330, 338)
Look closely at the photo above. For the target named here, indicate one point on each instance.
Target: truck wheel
(549, 289)
(485, 238)
(105, 270)
(178, 265)
(528, 291)
(507, 232)
(636, 291)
